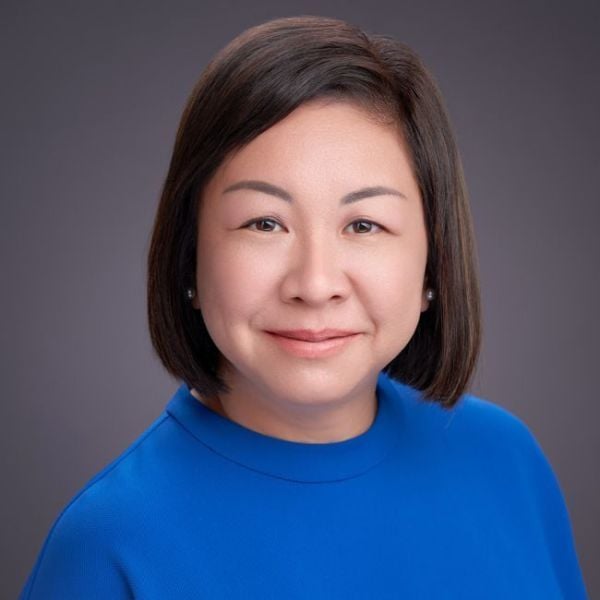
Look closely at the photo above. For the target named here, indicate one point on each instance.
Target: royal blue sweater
(424, 504)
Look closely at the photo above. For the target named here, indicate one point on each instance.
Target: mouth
(320, 348)
(308, 335)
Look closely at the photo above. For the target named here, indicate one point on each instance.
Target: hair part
(257, 80)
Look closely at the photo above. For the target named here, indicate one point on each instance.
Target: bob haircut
(258, 79)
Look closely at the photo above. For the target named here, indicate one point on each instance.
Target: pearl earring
(430, 295)
(190, 293)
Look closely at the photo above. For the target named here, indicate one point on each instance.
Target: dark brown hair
(254, 82)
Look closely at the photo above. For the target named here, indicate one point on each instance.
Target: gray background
(91, 97)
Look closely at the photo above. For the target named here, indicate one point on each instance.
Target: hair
(255, 81)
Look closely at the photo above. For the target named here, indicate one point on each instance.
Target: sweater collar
(296, 461)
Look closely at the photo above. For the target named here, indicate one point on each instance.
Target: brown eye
(365, 226)
(259, 222)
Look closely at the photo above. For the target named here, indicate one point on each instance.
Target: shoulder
(107, 507)
(96, 506)
(474, 424)
(79, 557)
(493, 458)
(483, 418)
(493, 448)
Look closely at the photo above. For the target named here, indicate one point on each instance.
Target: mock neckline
(285, 459)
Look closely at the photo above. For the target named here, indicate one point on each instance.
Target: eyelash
(267, 219)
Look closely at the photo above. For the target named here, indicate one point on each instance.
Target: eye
(365, 222)
(260, 220)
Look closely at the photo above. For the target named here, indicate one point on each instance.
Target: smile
(307, 349)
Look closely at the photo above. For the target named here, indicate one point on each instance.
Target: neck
(308, 424)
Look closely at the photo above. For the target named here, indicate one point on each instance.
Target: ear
(424, 301)
(196, 302)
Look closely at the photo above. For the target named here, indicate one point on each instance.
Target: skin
(311, 263)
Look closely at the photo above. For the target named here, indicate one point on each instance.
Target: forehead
(325, 142)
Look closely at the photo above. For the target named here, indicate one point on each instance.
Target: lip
(310, 335)
(315, 349)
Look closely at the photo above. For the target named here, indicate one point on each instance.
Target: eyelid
(258, 220)
(371, 222)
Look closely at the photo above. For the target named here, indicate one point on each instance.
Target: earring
(430, 295)
(190, 293)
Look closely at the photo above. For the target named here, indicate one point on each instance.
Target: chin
(310, 389)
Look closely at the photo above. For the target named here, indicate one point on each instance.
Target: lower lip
(306, 349)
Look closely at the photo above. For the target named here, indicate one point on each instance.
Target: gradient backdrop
(91, 97)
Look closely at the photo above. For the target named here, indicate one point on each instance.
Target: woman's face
(325, 255)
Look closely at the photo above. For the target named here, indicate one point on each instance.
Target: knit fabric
(426, 503)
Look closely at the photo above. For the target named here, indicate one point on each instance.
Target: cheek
(230, 282)
(396, 289)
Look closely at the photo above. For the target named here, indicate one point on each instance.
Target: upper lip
(311, 335)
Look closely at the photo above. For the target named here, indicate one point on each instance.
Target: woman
(312, 286)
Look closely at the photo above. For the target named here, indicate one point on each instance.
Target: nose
(315, 271)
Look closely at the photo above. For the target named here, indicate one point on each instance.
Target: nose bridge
(317, 271)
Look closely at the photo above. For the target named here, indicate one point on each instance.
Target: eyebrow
(273, 190)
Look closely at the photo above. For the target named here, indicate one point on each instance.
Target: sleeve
(77, 560)
(552, 508)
